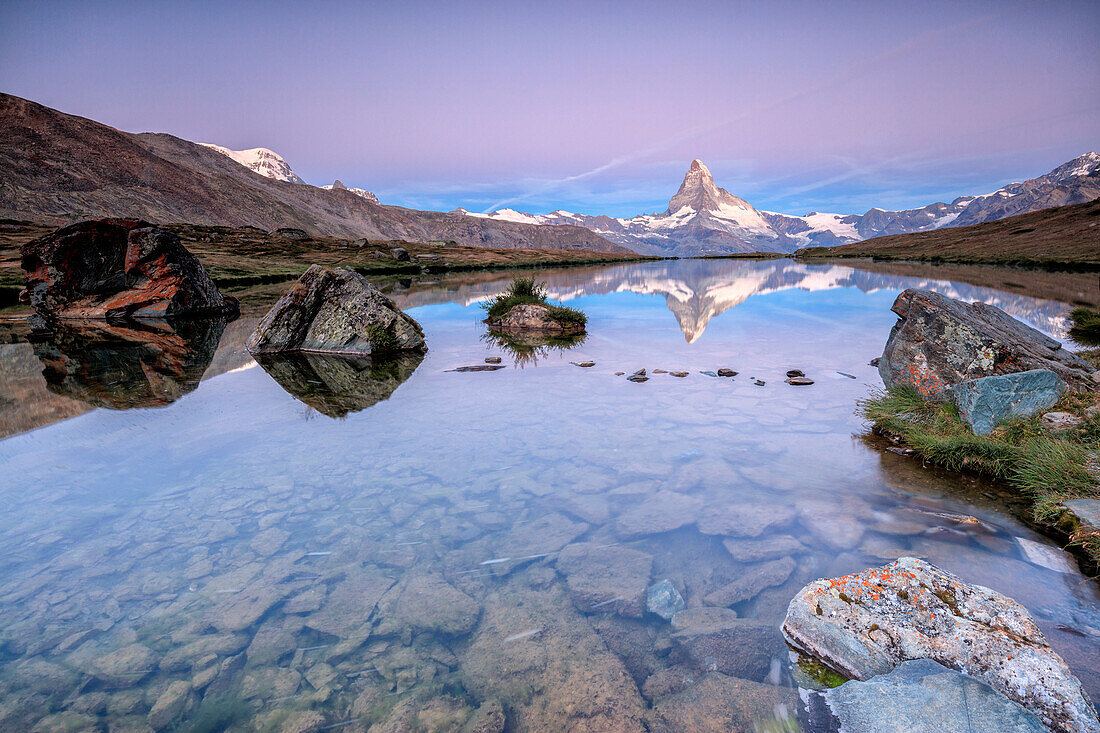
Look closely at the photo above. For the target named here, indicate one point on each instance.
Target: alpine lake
(195, 541)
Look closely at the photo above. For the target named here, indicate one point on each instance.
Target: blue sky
(592, 107)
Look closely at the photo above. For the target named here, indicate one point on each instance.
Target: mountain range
(702, 218)
(57, 168)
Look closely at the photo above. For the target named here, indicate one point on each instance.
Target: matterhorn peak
(699, 193)
(698, 165)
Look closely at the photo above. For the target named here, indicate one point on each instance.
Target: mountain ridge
(703, 218)
(59, 168)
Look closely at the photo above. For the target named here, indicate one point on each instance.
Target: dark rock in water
(759, 382)
(296, 235)
(795, 373)
(922, 696)
(533, 317)
(985, 402)
(660, 371)
(681, 375)
(335, 312)
(726, 373)
(492, 360)
(853, 624)
(477, 368)
(939, 342)
(585, 364)
(400, 254)
(874, 362)
(638, 376)
(799, 381)
(338, 385)
(664, 600)
(117, 269)
(901, 451)
(119, 366)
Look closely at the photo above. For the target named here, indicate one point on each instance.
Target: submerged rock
(939, 342)
(719, 704)
(606, 578)
(754, 579)
(335, 312)
(922, 696)
(867, 623)
(715, 639)
(534, 317)
(117, 269)
(664, 600)
(986, 402)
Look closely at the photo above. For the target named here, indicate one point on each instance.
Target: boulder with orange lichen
(865, 624)
(939, 342)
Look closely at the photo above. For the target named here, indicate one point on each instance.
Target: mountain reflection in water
(697, 291)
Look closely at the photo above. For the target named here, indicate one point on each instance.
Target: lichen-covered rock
(534, 317)
(867, 623)
(922, 696)
(335, 312)
(986, 402)
(117, 269)
(939, 342)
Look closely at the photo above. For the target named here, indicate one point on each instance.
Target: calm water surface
(312, 542)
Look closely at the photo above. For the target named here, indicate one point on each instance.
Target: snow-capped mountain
(705, 219)
(337, 185)
(266, 162)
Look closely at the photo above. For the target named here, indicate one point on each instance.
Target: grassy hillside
(1067, 236)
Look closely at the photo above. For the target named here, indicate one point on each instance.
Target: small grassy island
(507, 312)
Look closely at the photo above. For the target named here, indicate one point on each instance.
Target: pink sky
(594, 107)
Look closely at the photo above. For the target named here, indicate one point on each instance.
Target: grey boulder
(335, 312)
(939, 342)
(986, 402)
(867, 623)
(922, 696)
(664, 600)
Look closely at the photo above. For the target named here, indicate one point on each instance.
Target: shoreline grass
(1042, 467)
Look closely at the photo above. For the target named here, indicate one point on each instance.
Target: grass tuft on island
(527, 291)
(1045, 468)
(1085, 328)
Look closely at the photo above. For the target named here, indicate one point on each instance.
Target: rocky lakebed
(673, 522)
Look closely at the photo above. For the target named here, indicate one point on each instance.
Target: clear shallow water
(416, 544)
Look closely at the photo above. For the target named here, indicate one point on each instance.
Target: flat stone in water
(663, 511)
(584, 364)
(679, 374)
(492, 360)
(638, 376)
(605, 578)
(754, 579)
(922, 696)
(718, 704)
(799, 381)
(478, 368)
(795, 373)
(770, 548)
(1046, 556)
(726, 373)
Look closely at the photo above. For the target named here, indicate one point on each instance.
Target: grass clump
(1086, 326)
(528, 291)
(1045, 468)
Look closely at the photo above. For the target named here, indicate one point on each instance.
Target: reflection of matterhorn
(698, 290)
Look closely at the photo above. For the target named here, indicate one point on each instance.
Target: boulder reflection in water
(150, 363)
(338, 385)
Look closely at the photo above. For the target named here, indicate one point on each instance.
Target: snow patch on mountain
(266, 162)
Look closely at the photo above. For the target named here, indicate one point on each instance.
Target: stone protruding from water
(336, 312)
(867, 623)
(986, 402)
(922, 696)
(117, 269)
(939, 342)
